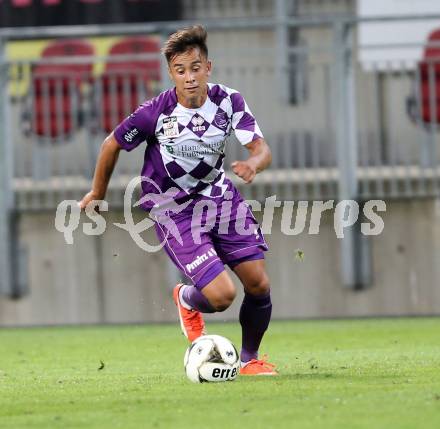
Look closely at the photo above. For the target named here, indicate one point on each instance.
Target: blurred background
(346, 92)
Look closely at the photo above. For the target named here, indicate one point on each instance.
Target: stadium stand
(57, 85)
(126, 83)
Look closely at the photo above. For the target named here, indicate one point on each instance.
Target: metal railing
(58, 122)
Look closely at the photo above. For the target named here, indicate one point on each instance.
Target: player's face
(189, 72)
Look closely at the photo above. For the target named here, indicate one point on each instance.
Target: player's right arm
(128, 135)
(105, 165)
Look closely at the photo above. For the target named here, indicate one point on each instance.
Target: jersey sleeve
(136, 128)
(243, 121)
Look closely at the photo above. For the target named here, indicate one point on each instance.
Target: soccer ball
(211, 358)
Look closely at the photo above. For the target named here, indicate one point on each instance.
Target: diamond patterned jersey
(185, 147)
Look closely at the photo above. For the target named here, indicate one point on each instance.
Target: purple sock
(255, 315)
(196, 300)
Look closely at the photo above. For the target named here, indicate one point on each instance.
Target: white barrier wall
(110, 280)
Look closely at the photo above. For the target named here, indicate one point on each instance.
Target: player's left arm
(260, 158)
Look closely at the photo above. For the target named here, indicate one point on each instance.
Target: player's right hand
(90, 196)
(244, 170)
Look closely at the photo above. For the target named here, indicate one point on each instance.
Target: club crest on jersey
(221, 120)
(170, 127)
(197, 122)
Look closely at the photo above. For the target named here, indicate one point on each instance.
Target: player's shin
(255, 314)
(195, 300)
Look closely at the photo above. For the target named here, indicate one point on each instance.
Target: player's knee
(223, 301)
(259, 285)
(220, 292)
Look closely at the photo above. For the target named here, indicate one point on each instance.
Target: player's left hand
(244, 169)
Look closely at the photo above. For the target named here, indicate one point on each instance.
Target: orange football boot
(191, 321)
(258, 367)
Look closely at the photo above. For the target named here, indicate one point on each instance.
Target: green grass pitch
(378, 373)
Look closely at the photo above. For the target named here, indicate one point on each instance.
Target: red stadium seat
(21, 3)
(56, 88)
(429, 71)
(125, 82)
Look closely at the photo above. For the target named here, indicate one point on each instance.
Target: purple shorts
(209, 233)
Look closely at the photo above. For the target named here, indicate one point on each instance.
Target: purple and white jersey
(185, 147)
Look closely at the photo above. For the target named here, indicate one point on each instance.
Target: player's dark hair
(184, 40)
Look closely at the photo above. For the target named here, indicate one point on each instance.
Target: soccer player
(186, 129)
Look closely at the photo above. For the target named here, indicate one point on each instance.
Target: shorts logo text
(200, 259)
